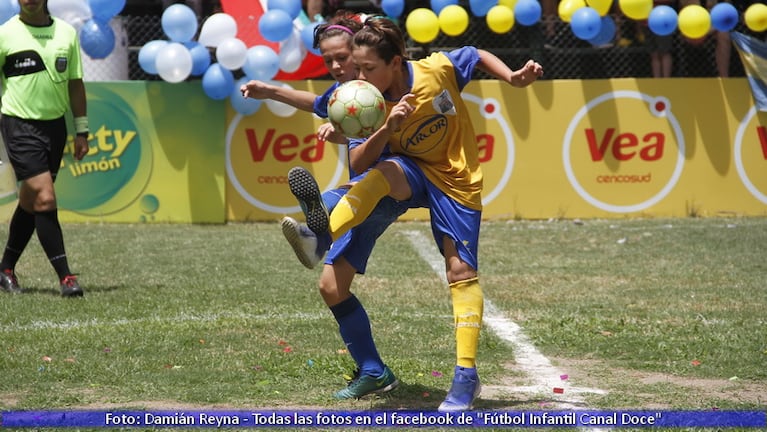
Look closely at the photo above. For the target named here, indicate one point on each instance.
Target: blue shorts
(357, 244)
(448, 217)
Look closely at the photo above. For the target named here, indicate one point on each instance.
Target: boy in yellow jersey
(435, 161)
(42, 80)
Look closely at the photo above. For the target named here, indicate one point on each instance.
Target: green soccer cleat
(366, 384)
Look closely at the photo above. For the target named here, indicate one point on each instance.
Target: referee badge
(61, 64)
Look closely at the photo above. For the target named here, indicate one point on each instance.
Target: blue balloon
(292, 7)
(585, 23)
(275, 25)
(606, 32)
(527, 12)
(147, 55)
(105, 10)
(97, 39)
(243, 105)
(393, 8)
(438, 5)
(724, 17)
(307, 37)
(179, 22)
(217, 82)
(200, 57)
(662, 20)
(261, 63)
(481, 7)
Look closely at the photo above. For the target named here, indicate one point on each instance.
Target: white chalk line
(544, 376)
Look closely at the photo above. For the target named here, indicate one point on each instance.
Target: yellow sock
(358, 203)
(467, 310)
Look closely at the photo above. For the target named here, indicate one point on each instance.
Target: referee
(41, 80)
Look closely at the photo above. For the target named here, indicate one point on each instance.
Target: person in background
(41, 81)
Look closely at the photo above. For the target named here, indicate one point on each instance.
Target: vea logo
(627, 162)
(750, 153)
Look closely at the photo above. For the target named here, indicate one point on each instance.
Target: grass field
(638, 314)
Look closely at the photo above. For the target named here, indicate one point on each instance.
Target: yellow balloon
(694, 21)
(601, 6)
(500, 19)
(567, 7)
(636, 9)
(508, 3)
(756, 17)
(453, 20)
(422, 25)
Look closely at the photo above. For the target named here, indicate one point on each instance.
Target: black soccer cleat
(305, 189)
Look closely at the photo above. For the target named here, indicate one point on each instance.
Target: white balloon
(230, 53)
(74, 12)
(174, 62)
(278, 108)
(292, 52)
(216, 28)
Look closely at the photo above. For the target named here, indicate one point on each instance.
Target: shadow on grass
(425, 398)
(55, 291)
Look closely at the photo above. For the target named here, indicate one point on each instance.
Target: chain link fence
(550, 42)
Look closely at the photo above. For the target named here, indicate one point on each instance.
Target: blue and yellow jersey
(37, 64)
(438, 135)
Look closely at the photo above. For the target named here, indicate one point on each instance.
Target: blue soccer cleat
(308, 246)
(463, 391)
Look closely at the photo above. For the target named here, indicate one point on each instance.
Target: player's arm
(365, 155)
(78, 105)
(300, 99)
(494, 66)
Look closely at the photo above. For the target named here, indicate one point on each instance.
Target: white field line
(544, 376)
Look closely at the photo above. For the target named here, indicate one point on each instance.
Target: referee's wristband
(81, 125)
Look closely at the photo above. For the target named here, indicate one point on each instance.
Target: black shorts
(34, 146)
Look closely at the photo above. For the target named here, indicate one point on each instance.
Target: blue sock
(354, 326)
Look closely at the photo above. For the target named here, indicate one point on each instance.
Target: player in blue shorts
(437, 162)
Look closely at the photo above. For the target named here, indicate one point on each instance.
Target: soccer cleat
(364, 385)
(305, 189)
(463, 391)
(9, 283)
(308, 246)
(70, 287)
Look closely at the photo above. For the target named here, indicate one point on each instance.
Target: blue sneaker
(465, 389)
(305, 189)
(364, 385)
(308, 246)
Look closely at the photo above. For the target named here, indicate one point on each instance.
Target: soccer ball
(356, 109)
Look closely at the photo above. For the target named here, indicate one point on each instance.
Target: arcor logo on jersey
(420, 137)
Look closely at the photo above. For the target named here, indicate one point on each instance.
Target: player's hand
(531, 71)
(255, 89)
(399, 113)
(81, 147)
(326, 132)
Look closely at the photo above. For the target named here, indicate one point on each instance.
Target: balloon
(261, 63)
(567, 7)
(393, 8)
(292, 53)
(6, 10)
(278, 108)
(662, 20)
(217, 82)
(606, 32)
(275, 25)
(636, 9)
(508, 3)
(527, 12)
(438, 5)
(216, 28)
(480, 8)
(230, 53)
(422, 25)
(756, 17)
(105, 10)
(291, 7)
(694, 21)
(500, 19)
(724, 17)
(601, 6)
(585, 23)
(453, 20)
(174, 62)
(179, 22)
(200, 57)
(307, 37)
(74, 12)
(147, 55)
(241, 104)
(97, 39)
